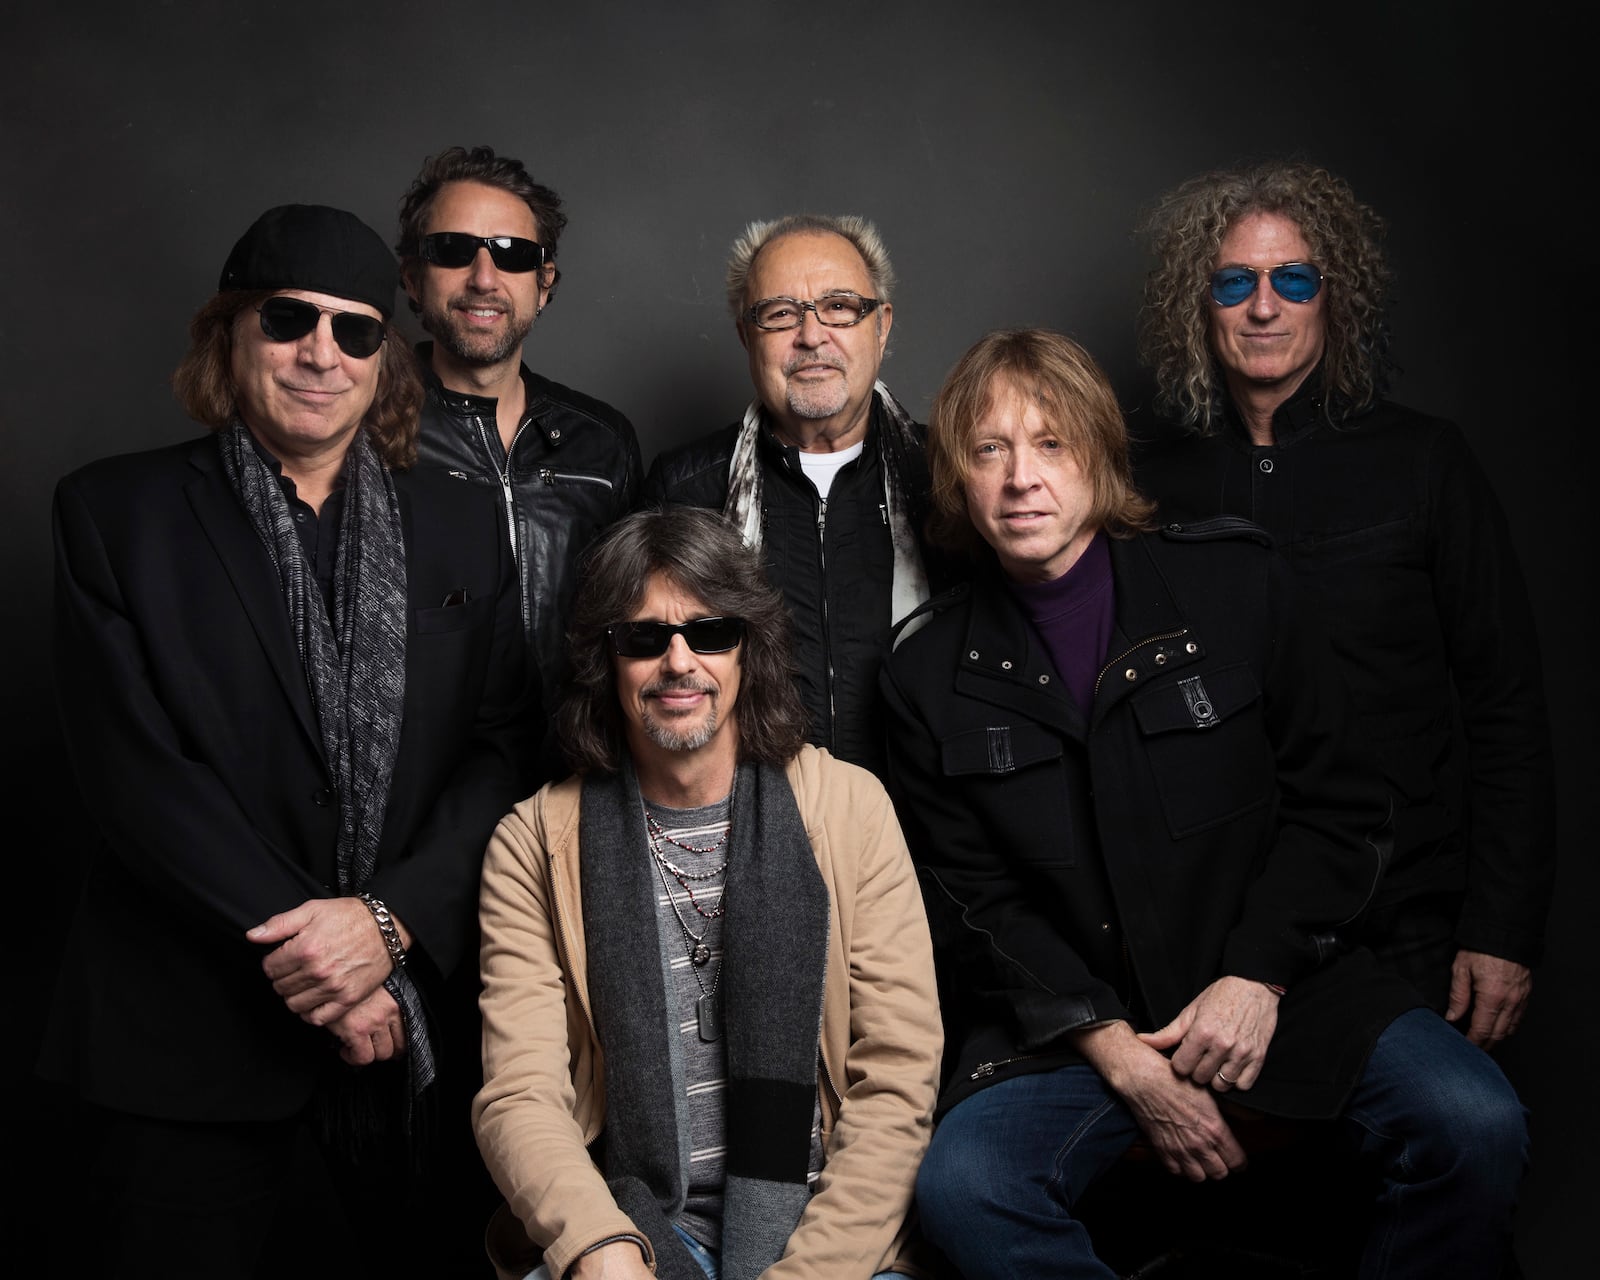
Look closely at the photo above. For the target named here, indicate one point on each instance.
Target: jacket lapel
(249, 568)
(1004, 662)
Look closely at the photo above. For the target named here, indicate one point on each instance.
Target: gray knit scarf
(355, 662)
(775, 947)
(896, 439)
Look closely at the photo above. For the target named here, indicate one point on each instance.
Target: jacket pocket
(1207, 746)
(1014, 778)
(998, 749)
(455, 617)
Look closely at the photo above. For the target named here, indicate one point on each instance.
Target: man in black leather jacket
(477, 248)
(1264, 325)
(826, 472)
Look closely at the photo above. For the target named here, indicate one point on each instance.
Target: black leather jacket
(834, 563)
(573, 468)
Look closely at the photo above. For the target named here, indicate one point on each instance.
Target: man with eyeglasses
(733, 916)
(826, 473)
(291, 680)
(477, 250)
(1264, 324)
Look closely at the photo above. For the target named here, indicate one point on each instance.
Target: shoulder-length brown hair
(203, 380)
(1344, 237)
(703, 555)
(1075, 397)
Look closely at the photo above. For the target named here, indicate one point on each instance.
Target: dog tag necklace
(708, 1011)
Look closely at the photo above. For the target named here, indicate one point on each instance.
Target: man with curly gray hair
(1264, 326)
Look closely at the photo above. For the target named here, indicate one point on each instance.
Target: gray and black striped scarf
(355, 662)
(775, 940)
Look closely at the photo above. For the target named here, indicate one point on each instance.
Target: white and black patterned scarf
(896, 441)
(355, 663)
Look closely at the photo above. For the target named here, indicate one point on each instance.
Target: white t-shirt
(820, 468)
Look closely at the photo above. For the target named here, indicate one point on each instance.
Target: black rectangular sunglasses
(650, 639)
(458, 249)
(290, 319)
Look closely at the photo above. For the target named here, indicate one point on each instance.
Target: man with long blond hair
(1123, 761)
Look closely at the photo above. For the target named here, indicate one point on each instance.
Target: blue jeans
(702, 1255)
(1006, 1166)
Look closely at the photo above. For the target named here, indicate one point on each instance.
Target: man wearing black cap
(292, 686)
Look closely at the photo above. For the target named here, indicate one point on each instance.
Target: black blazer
(190, 728)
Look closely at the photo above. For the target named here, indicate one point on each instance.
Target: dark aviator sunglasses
(650, 639)
(458, 249)
(290, 319)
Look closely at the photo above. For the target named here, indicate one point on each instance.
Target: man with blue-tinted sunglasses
(1264, 326)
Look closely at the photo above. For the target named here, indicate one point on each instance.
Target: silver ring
(1224, 1078)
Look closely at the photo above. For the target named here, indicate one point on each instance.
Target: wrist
(387, 928)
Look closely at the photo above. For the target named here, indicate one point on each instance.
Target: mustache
(483, 302)
(676, 684)
(800, 362)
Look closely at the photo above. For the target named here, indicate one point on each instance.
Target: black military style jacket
(1208, 815)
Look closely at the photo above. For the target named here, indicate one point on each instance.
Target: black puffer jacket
(573, 468)
(833, 561)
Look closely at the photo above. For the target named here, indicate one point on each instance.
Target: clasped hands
(1219, 1042)
(328, 963)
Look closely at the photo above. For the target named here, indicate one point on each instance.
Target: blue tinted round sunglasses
(1292, 281)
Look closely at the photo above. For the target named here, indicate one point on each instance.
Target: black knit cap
(310, 246)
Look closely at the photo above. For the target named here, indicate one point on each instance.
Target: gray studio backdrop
(1005, 149)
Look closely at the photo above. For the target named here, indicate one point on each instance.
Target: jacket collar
(465, 405)
(1004, 661)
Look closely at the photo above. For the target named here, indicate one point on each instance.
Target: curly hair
(481, 165)
(1186, 230)
(703, 555)
(203, 380)
(758, 235)
(1074, 395)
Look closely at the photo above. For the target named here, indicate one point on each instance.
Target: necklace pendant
(710, 1017)
(700, 956)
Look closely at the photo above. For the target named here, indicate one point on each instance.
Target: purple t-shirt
(1074, 615)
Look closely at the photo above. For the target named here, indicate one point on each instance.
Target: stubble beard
(470, 347)
(669, 736)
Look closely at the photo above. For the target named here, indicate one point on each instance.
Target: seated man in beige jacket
(711, 1038)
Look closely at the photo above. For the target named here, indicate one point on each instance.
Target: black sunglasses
(458, 249)
(290, 319)
(650, 639)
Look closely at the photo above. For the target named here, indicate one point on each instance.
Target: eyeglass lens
(1292, 281)
(290, 319)
(837, 311)
(650, 639)
(458, 249)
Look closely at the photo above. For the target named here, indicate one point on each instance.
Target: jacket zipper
(986, 1069)
(827, 646)
(1168, 635)
(549, 475)
(505, 483)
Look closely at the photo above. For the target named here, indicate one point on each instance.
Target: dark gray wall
(1006, 150)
